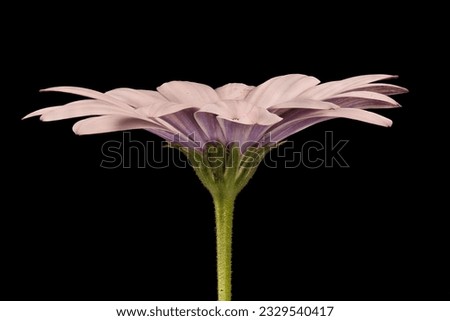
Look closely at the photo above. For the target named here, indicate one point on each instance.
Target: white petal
(280, 89)
(186, 92)
(136, 98)
(90, 94)
(111, 123)
(234, 91)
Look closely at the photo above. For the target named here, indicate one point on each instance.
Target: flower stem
(224, 205)
(224, 171)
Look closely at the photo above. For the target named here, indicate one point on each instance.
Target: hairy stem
(224, 171)
(224, 205)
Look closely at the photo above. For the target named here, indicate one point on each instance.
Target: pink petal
(136, 98)
(242, 134)
(329, 89)
(185, 124)
(81, 108)
(234, 132)
(356, 114)
(261, 116)
(186, 92)
(363, 100)
(162, 108)
(233, 91)
(280, 89)
(304, 103)
(385, 89)
(90, 94)
(240, 111)
(287, 129)
(209, 124)
(294, 124)
(111, 123)
(41, 111)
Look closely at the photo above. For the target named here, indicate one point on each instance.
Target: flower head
(225, 132)
(193, 114)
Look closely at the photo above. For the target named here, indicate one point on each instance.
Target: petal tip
(43, 90)
(76, 129)
(32, 114)
(44, 118)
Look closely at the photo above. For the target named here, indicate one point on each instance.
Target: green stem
(224, 205)
(224, 171)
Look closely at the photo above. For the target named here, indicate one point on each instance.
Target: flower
(192, 114)
(225, 132)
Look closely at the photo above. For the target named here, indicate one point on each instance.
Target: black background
(74, 231)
